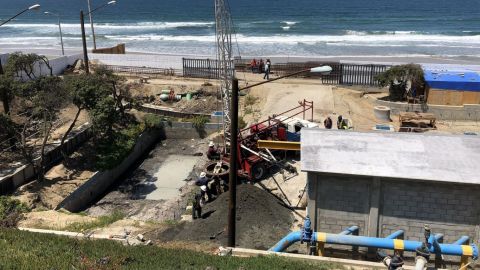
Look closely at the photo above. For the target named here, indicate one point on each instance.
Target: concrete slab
(445, 158)
(170, 177)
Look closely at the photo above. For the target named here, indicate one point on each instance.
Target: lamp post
(84, 38)
(59, 28)
(90, 11)
(34, 7)
(232, 178)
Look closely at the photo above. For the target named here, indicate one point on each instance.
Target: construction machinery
(253, 162)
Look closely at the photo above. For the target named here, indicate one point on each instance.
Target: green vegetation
(198, 122)
(397, 79)
(102, 95)
(155, 121)
(111, 151)
(26, 250)
(101, 221)
(11, 211)
(250, 107)
(241, 123)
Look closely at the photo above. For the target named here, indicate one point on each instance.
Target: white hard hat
(203, 188)
(211, 143)
(203, 174)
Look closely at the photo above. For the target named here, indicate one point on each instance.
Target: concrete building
(452, 86)
(384, 182)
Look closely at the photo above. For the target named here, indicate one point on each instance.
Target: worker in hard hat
(198, 202)
(203, 181)
(212, 152)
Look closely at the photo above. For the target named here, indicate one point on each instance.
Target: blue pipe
(462, 241)
(438, 237)
(396, 235)
(350, 230)
(287, 241)
(373, 242)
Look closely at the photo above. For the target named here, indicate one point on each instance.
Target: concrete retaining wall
(101, 181)
(382, 206)
(165, 111)
(185, 130)
(466, 112)
(58, 64)
(118, 49)
(27, 172)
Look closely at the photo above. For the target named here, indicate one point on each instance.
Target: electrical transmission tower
(226, 70)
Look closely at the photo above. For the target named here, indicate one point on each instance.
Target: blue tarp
(453, 80)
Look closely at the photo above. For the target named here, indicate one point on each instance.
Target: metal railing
(150, 71)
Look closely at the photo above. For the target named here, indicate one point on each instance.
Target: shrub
(397, 78)
(198, 122)
(11, 211)
(155, 121)
(113, 150)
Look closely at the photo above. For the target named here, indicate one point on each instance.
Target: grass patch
(101, 221)
(26, 250)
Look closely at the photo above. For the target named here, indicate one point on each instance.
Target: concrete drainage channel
(149, 185)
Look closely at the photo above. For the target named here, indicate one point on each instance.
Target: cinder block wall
(342, 203)
(450, 209)
(337, 202)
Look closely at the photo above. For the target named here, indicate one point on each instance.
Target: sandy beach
(165, 60)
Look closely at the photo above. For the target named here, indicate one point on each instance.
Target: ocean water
(262, 27)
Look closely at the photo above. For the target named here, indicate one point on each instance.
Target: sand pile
(261, 221)
(204, 104)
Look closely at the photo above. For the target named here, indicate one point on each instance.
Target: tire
(258, 172)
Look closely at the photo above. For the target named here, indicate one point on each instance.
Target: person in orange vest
(253, 65)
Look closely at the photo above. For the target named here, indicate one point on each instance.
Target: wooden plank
(471, 97)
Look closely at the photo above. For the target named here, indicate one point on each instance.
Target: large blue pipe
(351, 230)
(462, 241)
(373, 242)
(395, 235)
(287, 241)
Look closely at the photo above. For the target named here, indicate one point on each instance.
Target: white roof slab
(434, 157)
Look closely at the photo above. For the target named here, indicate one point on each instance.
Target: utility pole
(232, 178)
(61, 36)
(91, 24)
(84, 41)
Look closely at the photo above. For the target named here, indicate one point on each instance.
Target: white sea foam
(313, 39)
(286, 28)
(289, 22)
(139, 25)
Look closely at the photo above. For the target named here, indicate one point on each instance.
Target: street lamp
(59, 27)
(84, 39)
(90, 11)
(34, 7)
(232, 178)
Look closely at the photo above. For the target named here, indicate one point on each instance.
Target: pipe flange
(423, 251)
